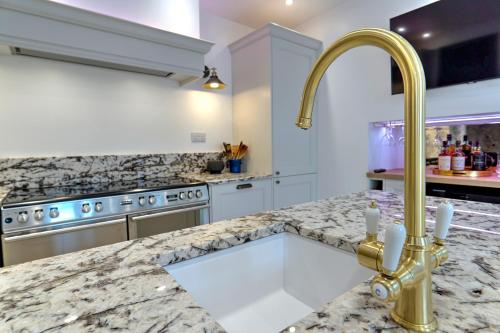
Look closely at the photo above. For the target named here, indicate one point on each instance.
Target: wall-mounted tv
(458, 41)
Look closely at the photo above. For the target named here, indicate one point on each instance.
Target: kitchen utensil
(235, 152)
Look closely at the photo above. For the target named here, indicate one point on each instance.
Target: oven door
(22, 247)
(159, 222)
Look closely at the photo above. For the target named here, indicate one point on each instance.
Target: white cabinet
(292, 190)
(269, 68)
(293, 149)
(236, 199)
(392, 185)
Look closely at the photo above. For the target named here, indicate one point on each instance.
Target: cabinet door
(238, 199)
(294, 149)
(293, 190)
(396, 186)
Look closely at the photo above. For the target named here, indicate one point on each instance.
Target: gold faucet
(409, 284)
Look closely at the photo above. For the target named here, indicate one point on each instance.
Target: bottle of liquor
(444, 159)
(467, 150)
(458, 158)
(448, 139)
(451, 146)
(478, 158)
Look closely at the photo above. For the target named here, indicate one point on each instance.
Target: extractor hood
(51, 30)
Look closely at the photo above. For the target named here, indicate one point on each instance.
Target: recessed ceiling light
(288, 2)
(426, 35)
(401, 29)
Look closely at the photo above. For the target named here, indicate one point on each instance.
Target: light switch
(198, 137)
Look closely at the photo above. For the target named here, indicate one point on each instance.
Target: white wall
(50, 108)
(358, 92)
(182, 17)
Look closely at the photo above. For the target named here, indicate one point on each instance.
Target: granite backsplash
(82, 170)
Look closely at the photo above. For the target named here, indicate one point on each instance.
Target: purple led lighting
(487, 118)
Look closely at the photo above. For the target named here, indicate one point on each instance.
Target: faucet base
(431, 327)
(413, 309)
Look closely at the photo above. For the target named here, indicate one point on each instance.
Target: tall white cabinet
(270, 66)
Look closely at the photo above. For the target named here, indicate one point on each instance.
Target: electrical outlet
(198, 137)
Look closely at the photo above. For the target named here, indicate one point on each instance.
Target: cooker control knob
(54, 212)
(152, 200)
(182, 195)
(39, 214)
(142, 201)
(199, 194)
(98, 207)
(22, 217)
(86, 208)
(190, 194)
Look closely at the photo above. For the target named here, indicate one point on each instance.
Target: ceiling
(256, 13)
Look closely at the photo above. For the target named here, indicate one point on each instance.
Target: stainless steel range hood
(50, 30)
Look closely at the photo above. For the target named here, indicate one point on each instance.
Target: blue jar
(235, 166)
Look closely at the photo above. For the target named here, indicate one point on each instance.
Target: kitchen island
(124, 287)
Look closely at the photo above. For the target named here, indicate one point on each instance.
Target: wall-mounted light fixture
(213, 81)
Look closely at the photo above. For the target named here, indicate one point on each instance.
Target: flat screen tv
(458, 41)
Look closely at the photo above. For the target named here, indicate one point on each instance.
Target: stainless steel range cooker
(39, 223)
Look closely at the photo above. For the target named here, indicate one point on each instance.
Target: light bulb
(288, 2)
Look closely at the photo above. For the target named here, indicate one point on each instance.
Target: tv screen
(458, 41)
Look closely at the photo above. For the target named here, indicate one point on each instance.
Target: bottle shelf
(465, 173)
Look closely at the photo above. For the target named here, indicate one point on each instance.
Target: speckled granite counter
(225, 177)
(122, 287)
(3, 192)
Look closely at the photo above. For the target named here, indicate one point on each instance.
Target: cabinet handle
(278, 182)
(244, 186)
(277, 173)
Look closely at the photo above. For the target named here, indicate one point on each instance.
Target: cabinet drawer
(238, 199)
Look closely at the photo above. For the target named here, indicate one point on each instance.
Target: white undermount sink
(268, 284)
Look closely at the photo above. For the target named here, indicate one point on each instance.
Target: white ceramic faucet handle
(372, 216)
(444, 215)
(395, 236)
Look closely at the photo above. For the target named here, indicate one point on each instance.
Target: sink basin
(268, 284)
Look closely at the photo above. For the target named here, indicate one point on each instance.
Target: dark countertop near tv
(398, 174)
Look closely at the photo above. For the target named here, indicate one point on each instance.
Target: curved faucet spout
(410, 285)
(414, 89)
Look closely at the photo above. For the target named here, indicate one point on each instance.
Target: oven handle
(168, 212)
(61, 230)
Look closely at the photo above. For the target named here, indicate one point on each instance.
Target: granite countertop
(123, 287)
(3, 192)
(398, 174)
(225, 177)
